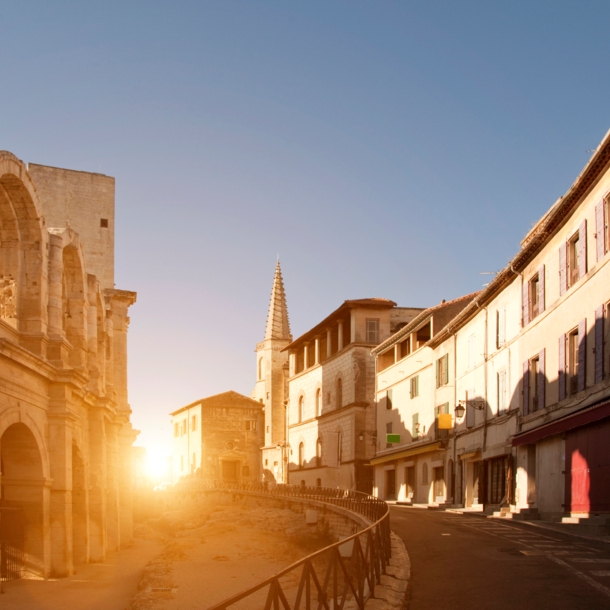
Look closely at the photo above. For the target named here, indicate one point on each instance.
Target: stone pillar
(340, 334)
(291, 360)
(397, 352)
(305, 356)
(60, 449)
(55, 290)
(97, 479)
(113, 533)
(329, 343)
(317, 351)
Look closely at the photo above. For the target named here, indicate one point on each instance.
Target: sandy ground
(95, 586)
(178, 562)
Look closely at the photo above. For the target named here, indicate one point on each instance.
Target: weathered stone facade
(219, 439)
(331, 414)
(65, 434)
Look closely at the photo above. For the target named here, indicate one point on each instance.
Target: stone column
(340, 334)
(97, 479)
(397, 352)
(305, 356)
(329, 343)
(60, 449)
(317, 351)
(291, 360)
(55, 290)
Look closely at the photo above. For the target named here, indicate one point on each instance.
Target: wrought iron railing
(329, 578)
(11, 541)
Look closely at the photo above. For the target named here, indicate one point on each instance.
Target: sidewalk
(95, 586)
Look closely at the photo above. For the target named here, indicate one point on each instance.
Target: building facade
(218, 438)
(65, 432)
(528, 378)
(331, 415)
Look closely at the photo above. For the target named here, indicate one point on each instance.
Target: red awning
(576, 420)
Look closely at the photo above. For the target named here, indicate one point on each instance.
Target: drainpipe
(485, 378)
(454, 417)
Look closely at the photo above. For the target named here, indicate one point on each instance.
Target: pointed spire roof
(278, 326)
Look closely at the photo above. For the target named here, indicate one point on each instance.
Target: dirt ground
(179, 561)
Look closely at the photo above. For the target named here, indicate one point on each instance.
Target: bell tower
(271, 383)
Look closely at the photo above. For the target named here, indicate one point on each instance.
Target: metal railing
(11, 541)
(325, 580)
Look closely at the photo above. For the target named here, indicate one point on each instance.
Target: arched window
(339, 393)
(318, 482)
(300, 413)
(301, 455)
(319, 452)
(318, 402)
(260, 368)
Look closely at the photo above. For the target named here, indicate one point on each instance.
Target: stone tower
(271, 382)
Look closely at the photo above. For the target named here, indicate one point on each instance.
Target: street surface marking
(590, 560)
(445, 534)
(529, 553)
(601, 573)
(593, 583)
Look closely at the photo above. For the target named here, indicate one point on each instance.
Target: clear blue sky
(391, 149)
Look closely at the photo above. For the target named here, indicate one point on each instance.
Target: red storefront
(587, 456)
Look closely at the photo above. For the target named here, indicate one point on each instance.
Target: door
(497, 470)
(439, 484)
(410, 479)
(587, 486)
(390, 484)
(230, 471)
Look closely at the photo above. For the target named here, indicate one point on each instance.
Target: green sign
(392, 438)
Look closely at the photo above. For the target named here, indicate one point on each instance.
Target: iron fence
(11, 541)
(329, 578)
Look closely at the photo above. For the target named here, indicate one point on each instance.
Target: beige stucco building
(331, 396)
(65, 432)
(529, 371)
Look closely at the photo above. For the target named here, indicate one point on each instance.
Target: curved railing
(346, 570)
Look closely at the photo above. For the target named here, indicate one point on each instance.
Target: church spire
(278, 326)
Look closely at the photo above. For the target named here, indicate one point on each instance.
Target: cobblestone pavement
(467, 562)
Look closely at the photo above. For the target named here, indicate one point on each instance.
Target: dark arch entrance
(22, 483)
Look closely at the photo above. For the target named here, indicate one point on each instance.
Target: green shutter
(414, 433)
(446, 408)
(446, 370)
(438, 373)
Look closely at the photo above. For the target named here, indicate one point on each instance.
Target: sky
(381, 149)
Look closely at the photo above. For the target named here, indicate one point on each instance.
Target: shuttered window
(599, 344)
(563, 269)
(414, 389)
(442, 371)
(526, 387)
(470, 411)
(525, 305)
(501, 388)
(582, 354)
(601, 246)
(582, 249)
(541, 288)
(500, 328)
(541, 381)
(562, 377)
(415, 426)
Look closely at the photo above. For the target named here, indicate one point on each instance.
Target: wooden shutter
(563, 268)
(540, 289)
(411, 388)
(526, 387)
(526, 302)
(438, 373)
(446, 408)
(541, 379)
(470, 414)
(582, 249)
(582, 353)
(599, 344)
(561, 377)
(414, 433)
(502, 330)
(446, 369)
(600, 232)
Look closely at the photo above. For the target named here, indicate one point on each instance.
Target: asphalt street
(465, 562)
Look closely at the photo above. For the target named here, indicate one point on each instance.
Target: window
(388, 400)
(318, 482)
(602, 235)
(573, 259)
(500, 328)
(501, 386)
(405, 347)
(183, 427)
(422, 335)
(194, 423)
(176, 429)
(260, 368)
(573, 361)
(533, 296)
(533, 381)
(442, 371)
(104, 223)
(390, 484)
(388, 430)
(300, 409)
(339, 393)
(251, 424)
(470, 410)
(440, 410)
(301, 455)
(318, 401)
(266, 462)
(319, 452)
(372, 330)
(415, 426)
(414, 389)
(601, 339)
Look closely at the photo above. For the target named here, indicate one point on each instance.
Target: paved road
(461, 562)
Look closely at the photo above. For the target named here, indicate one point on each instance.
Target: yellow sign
(445, 421)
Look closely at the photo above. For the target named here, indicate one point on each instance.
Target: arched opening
(22, 483)
(318, 482)
(301, 455)
(300, 409)
(318, 399)
(80, 525)
(339, 393)
(260, 368)
(319, 452)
